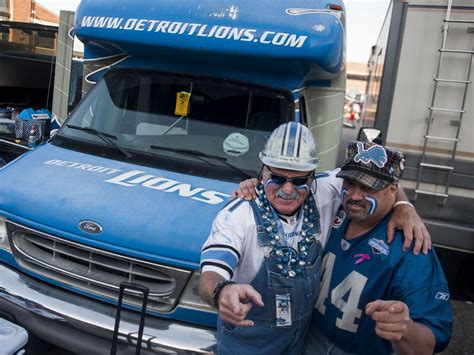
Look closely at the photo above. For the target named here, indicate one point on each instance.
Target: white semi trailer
(420, 94)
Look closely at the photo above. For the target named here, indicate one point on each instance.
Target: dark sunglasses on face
(281, 179)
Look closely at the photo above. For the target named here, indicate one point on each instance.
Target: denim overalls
(265, 337)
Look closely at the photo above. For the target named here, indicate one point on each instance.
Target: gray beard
(356, 216)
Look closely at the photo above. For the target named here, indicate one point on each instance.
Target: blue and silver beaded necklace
(289, 261)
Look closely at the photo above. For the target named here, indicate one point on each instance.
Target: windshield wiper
(106, 137)
(199, 155)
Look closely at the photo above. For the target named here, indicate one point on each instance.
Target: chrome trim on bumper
(23, 293)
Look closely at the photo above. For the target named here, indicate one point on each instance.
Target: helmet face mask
(291, 146)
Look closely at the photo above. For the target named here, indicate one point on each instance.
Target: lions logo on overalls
(375, 154)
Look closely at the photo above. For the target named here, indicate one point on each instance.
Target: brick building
(28, 11)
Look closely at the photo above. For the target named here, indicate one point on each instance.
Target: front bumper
(82, 325)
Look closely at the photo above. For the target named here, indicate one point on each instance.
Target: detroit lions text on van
(140, 178)
(196, 29)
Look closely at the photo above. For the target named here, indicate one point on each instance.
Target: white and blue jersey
(366, 268)
(232, 248)
(239, 249)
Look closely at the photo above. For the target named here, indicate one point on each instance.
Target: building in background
(28, 11)
(357, 75)
(28, 41)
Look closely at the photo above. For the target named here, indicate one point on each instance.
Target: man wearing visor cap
(261, 263)
(375, 297)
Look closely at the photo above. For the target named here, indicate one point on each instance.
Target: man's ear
(263, 175)
(393, 190)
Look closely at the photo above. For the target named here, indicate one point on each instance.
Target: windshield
(206, 127)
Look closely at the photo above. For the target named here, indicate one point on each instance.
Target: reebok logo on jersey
(379, 246)
(442, 296)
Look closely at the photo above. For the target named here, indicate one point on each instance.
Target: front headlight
(4, 243)
(191, 296)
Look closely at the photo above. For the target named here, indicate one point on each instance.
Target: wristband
(217, 291)
(398, 203)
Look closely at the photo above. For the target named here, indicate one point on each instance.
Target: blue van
(185, 95)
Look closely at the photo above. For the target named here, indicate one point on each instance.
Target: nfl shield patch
(379, 246)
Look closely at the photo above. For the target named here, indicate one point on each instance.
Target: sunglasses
(297, 181)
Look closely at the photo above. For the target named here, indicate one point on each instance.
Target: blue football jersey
(367, 268)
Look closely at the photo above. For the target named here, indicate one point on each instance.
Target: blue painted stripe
(297, 116)
(290, 150)
(344, 192)
(225, 256)
(320, 175)
(373, 204)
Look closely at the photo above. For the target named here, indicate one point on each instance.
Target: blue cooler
(13, 338)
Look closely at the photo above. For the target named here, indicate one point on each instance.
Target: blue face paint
(343, 193)
(297, 188)
(302, 187)
(373, 204)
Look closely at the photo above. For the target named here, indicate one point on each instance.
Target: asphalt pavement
(462, 342)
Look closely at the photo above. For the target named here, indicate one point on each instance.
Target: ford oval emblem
(90, 227)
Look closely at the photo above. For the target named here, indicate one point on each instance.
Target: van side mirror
(370, 135)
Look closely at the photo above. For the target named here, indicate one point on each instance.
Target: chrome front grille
(96, 271)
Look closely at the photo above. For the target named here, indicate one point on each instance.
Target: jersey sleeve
(328, 187)
(222, 250)
(420, 283)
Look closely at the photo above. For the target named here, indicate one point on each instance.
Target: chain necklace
(288, 261)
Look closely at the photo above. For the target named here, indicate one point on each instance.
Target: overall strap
(263, 241)
(317, 224)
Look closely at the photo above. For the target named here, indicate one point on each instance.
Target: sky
(364, 20)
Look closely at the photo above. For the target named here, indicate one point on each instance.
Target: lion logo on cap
(375, 154)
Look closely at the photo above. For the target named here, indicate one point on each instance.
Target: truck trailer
(184, 97)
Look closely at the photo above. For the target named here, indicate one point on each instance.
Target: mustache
(360, 203)
(293, 196)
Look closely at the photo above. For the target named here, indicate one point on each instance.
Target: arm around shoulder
(406, 218)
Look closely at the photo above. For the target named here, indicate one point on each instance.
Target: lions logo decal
(375, 154)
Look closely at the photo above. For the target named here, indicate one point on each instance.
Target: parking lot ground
(462, 342)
